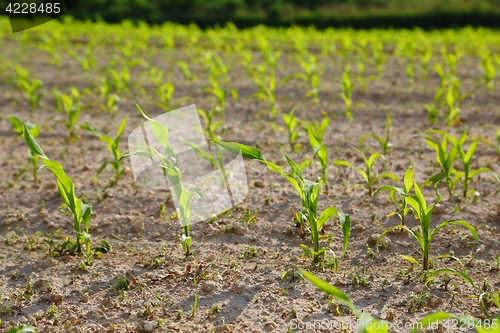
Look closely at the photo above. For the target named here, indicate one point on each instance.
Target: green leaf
(411, 259)
(459, 222)
(326, 215)
(408, 180)
(330, 290)
(237, 148)
(465, 277)
(22, 329)
(31, 142)
(345, 221)
(432, 318)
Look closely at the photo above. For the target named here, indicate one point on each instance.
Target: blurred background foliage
(426, 14)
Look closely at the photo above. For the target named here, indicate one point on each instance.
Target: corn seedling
(113, 147)
(424, 234)
(267, 93)
(120, 79)
(315, 132)
(34, 130)
(165, 93)
(379, 57)
(87, 61)
(367, 323)
(211, 126)
(403, 193)
(73, 108)
(80, 211)
(188, 75)
(489, 70)
(346, 93)
(410, 74)
(368, 172)
(384, 143)
(308, 192)
(466, 159)
(172, 171)
(220, 95)
(310, 75)
(291, 123)
(31, 87)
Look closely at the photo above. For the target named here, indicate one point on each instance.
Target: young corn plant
(384, 142)
(310, 75)
(292, 123)
(165, 93)
(445, 157)
(267, 93)
(73, 108)
(410, 69)
(379, 57)
(31, 87)
(424, 234)
(346, 94)
(220, 95)
(211, 126)
(34, 130)
(489, 70)
(168, 162)
(315, 132)
(80, 211)
(403, 192)
(367, 323)
(466, 159)
(184, 67)
(113, 147)
(368, 171)
(308, 192)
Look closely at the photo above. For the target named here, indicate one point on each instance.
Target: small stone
(338, 282)
(155, 235)
(439, 209)
(56, 298)
(40, 285)
(149, 326)
(240, 228)
(138, 226)
(434, 301)
(238, 288)
(220, 328)
(258, 184)
(23, 320)
(43, 214)
(84, 299)
(209, 286)
(372, 240)
(269, 326)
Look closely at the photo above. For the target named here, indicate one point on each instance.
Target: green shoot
(172, 171)
(308, 192)
(367, 323)
(80, 211)
(445, 158)
(71, 104)
(165, 93)
(403, 192)
(489, 70)
(310, 75)
(315, 133)
(346, 93)
(291, 123)
(113, 147)
(34, 130)
(267, 93)
(211, 125)
(424, 234)
(385, 144)
(368, 172)
(220, 95)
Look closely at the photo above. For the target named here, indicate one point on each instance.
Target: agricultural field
(377, 199)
